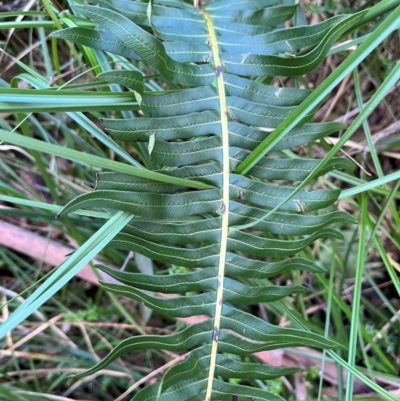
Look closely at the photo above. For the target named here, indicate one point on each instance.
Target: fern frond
(212, 117)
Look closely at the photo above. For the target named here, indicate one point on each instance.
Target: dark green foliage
(216, 113)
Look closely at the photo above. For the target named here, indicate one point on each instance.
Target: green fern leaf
(214, 115)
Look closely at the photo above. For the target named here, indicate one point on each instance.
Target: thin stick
(151, 375)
